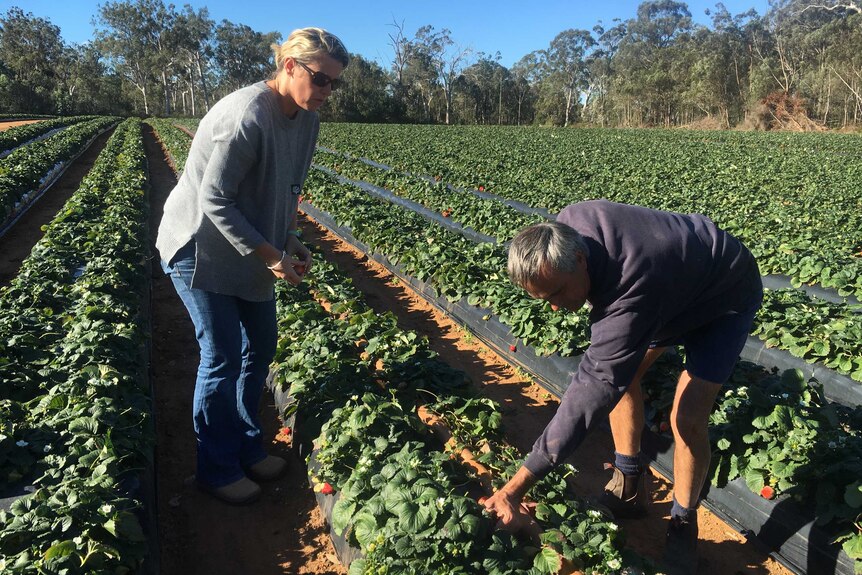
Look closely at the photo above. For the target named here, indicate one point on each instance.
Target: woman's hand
(300, 253)
(295, 263)
(290, 264)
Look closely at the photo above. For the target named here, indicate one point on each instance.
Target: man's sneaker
(625, 495)
(680, 548)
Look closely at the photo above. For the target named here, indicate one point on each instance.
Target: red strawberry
(446, 213)
(327, 489)
(513, 348)
(481, 188)
(664, 426)
(482, 500)
(285, 430)
(767, 492)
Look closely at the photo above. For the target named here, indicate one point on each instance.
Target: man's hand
(511, 513)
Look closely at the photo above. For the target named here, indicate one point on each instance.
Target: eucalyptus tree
(839, 35)
(649, 62)
(597, 102)
(195, 45)
(364, 96)
(481, 85)
(421, 83)
(31, 55)
(844, 61)
(718, 84)
(242, 55)
(525, 74)
(90, 87)
(565, 73)
(446, 58)
(132, 36)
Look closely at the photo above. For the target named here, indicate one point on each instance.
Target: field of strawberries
(399, 445)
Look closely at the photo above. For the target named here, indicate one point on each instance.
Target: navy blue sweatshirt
(654, 275)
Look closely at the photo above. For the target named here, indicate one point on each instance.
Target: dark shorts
(711, 352)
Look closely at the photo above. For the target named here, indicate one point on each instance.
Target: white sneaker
(240, 492)
(267, 469)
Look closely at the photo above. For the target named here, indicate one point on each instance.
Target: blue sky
(515, 28)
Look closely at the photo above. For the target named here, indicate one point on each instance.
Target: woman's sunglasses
(320, 79)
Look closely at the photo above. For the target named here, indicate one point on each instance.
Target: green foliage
(24, 170)
(75, 406)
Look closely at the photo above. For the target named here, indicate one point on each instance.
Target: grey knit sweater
(240, 187)
(654, 276)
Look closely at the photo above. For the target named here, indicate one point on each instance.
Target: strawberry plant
(393, 486)
(175, 141)
(28, 133)
(813, 330)
(86, 421)
(24, 170)
(772, 190)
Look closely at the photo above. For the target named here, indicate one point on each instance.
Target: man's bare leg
(689, 420)
(627, 418)
(626, 493)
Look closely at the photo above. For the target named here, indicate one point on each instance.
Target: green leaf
(61, 549)
(126, 526)
(853, 548)
(754, 480)
(547, 561)
(357, 567)
(365, 529)
(853, 495)
(342, 513)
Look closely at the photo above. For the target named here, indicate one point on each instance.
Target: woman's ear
(289, 65)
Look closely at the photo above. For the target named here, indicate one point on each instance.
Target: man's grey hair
(541, 248)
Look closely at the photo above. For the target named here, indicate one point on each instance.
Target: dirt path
(20, 239)
(282, 533)
(527, 408)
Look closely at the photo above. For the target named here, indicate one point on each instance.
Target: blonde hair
(306, 44)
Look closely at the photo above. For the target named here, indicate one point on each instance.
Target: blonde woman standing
(228, 233)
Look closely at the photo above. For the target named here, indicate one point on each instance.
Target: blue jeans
(237, 340)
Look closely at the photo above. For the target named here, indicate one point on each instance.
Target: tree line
(797, 65)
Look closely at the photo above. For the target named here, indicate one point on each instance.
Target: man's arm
(506, 503)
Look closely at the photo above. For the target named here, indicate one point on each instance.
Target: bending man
(653, 279)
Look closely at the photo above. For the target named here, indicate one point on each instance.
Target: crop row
(24, 170)
(792, 198)
(74, 402)
(393, 232)
(809, 328)
(775, 432)
(405, 504)
(20, 135)
(174, 140)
